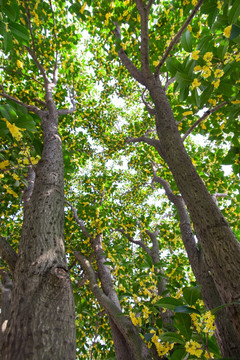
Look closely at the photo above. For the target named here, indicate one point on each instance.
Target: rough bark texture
(219, 244)
(122, 349)
(41, 323)
(124, 325)
(225, 332)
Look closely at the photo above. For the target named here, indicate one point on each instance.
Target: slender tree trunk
(122, 349)
(41, 323)
(219, 244)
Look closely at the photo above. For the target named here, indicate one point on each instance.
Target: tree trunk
(225, 332)
(122, 349)
(41, 323)
(219, 244)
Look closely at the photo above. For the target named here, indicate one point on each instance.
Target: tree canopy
(133, 247)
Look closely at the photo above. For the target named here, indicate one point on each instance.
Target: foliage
(108, 181)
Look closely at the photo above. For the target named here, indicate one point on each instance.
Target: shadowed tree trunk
(41, 323)
(220, 247)
(225, 332)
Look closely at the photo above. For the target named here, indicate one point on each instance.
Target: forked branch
(177, 37)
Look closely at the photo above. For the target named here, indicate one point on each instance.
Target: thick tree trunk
(225, 332)
(41, 323)
(219, 244)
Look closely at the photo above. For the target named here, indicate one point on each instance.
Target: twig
(32, 108)
(55, 70)
(177, 37)
(79, 221)
(150, 110)
(29, 24)
(203, 117)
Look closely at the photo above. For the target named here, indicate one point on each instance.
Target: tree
(198, 67)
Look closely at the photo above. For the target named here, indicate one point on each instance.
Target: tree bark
(128, 331)
(219, 244)
(225, 332)
(42, 320)
(122, 349)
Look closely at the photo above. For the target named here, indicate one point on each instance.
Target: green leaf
(172, 337)
(234, 12)
(173, 65)
(178, 354)
(186, 310)
(192, 294)
(186, 41)
(8, 112)
(26, 122)
(8, 43)
(206, 94)
(235, 32)
(168, 303)
(183, 79)
(11, 12)
(183, 323)
(20, 32)
(215, 310)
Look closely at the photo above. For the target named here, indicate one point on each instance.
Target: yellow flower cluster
(194, 348)
(227, 31)
(137, 321)
(4, 164)
(14, 130)
(162, 347)
(10, 191)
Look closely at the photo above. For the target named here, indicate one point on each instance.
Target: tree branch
(153, 142)
(136, 74)
(177, 37)
(122, 322)
(137, 242)
(79, 221)
(29, 24)
(55, 70)
(8, 254)
(144, 13)
(39, 66)
(32, 108)
(150, 110)
(202, 118)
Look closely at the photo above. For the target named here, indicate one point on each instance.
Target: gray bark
(220, 247)
(42, 322)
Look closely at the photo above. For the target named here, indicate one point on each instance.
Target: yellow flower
(195, 83)
(189, 28)
(194, 348)
(16, 177)
(197, 68)
(206, 72)
(195, 55)
(187, 113)
(212, 101)
(236, 102)
(216, 83)
(4, 164)
(208, 56)
(14, 130)
(194, 2)
(10, 191)
(227, 31)
(219, 5)
(19, 64)
(82, 8)
(155, 63)
(218, 73)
